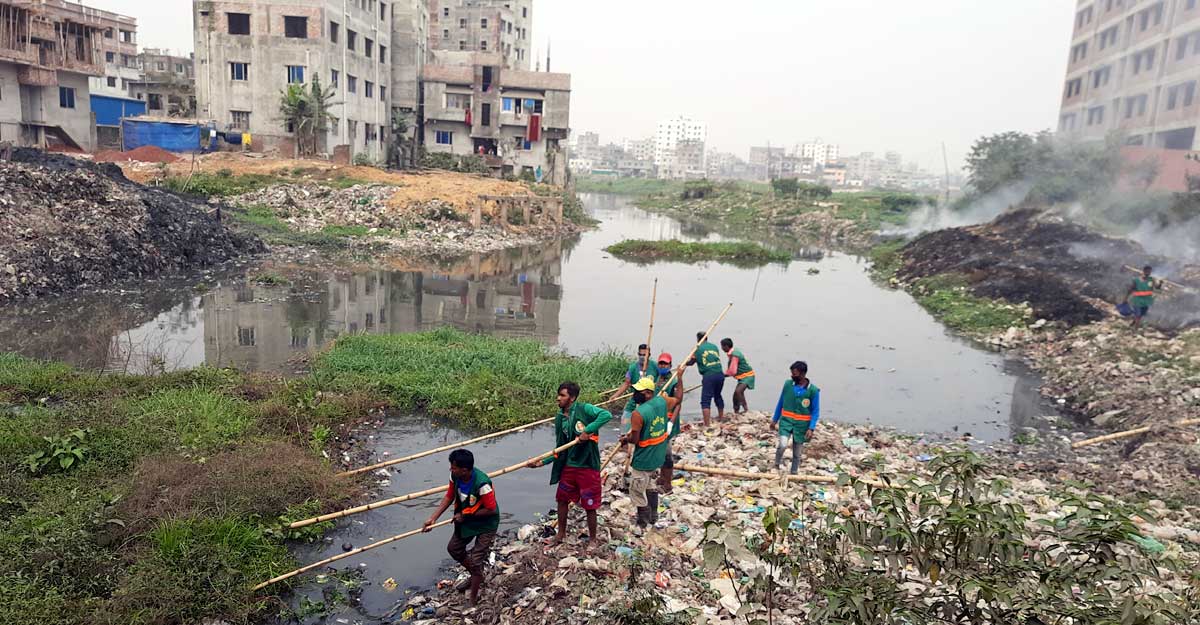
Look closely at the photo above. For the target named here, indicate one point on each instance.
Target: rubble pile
(1064, 271)
(309, 207)
(67, 223)
(824, 226)
(532, 583)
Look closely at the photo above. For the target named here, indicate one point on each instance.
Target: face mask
(664, 371)
(639, 398)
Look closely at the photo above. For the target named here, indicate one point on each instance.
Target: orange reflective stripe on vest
(1143, 293)
(472, 509)
(656, 440)
(743, 376)
(795, 416)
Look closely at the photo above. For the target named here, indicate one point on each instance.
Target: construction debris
(67, 223)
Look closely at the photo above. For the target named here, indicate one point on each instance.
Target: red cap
(664, 357)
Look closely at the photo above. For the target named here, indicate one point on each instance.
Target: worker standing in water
(476, 517)
(740, 370)
(796, 414)
(637, 370)
(1140, 295)
(712, 378)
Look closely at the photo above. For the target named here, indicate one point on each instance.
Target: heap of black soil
(67, 223)
(1028, 255)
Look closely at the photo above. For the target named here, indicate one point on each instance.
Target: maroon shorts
(581, 486)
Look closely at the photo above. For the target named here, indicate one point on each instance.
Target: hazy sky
(871, 75)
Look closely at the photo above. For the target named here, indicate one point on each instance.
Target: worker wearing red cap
(674, 389)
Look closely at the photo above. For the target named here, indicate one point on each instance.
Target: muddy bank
(710, 554)
(67, 223)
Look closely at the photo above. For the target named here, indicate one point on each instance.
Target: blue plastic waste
(624, 551)
(1124, 309)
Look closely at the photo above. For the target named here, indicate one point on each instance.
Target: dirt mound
(1060, 268)
(82, 223)
(144, 154)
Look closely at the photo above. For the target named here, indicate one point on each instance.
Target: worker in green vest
(796, 414)
(649, 432)
(577, 470)
(674, 389)
(712, 378)
(740, 370)
(637, 370)
(1140, 295)
(476, 516)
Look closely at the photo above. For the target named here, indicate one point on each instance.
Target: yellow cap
(644, 384)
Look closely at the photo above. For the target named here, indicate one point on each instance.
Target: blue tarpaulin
(110, 110)
(172, 137)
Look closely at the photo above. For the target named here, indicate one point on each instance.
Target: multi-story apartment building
(49, 49)
(517, 120)
(667, 138)
(249, 51)
(410, 53)
(640, 149)
(492, 26)
(119, 46)
(818, 152)
(167, 85)
(1133, 67)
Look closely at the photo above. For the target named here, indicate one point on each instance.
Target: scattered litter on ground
(143, 154)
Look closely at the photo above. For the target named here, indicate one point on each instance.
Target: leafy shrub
(60, 453)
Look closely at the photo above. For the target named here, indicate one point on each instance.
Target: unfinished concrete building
(410, 53)
(460, 27)
(249, 51)
(48, 51)
(167, 84)
(517, 120)
(1134, 67)
(119, 45)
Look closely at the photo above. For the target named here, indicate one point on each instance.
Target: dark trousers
(474, 557)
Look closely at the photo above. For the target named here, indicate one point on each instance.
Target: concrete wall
(10, 103)
(77, 122)
(410, 51)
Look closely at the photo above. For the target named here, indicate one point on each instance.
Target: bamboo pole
(430, 452)
(352, 552)
(628, 395)
(1166, 281)
(1128, 433)
(650, 337)
(746, 475)
(612, 453)
(425, 493)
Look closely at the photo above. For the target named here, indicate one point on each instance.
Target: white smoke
(984, 209)
(1177, 241)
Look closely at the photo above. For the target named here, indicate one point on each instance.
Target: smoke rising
(982, 210)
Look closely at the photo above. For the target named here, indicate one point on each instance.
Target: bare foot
(553, 543)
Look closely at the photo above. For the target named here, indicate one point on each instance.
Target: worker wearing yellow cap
(649, 433)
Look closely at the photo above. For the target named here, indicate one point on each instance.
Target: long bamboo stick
(650, 337)
(425, 493)
(352, 552)
(1126, 434)
(746, 475)
(1169, 282)
(388, 463)
(628, 395)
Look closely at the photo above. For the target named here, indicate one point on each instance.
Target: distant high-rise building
(1133, 66)
(640, 149)
(818, 152)
(669, 135)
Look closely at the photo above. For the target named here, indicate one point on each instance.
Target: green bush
(673, 249)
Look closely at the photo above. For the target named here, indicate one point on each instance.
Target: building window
(245, 337)
(353, 125)
(1074, 87)
(239, 71)
(444, 137)
(295, 74)
(458, 101)
(127, 36)
(295, 27)
(1186, 92)
(382, 55)
(483, 45)
(369, 47)
(112, 82)
(334, 31)
(1150, 17)
(382, 11)
(239, 23)
(382, 93)
(333, 77)
(369, 89)
(485, 114)
(462, 45)
(1100, 76)
(1095, 115)
(1143, 61)
(1108, 37)
(1135, 106)
(483, 22)
(179, 68)
(154, 101)
(351, 40)
(446, 12)
(445, 34)
(1191, 4)
(1067, 122)
(109, 57)
(108, 33)
(1083, 18)
(524, 11)
(462, 22)
(351, 83)
(1079, 52)
(239, 120)
(369, 132)
(160, 66)
(66, 97)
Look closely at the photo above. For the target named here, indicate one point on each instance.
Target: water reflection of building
(515, 292)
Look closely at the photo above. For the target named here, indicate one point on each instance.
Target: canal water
(878, 357)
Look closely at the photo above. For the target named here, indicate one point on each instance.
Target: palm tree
(305, 111)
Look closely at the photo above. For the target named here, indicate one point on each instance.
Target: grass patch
(740, 253)
(947, 297)
(220, 184)
(484, 382)
(193, 417)
(627, 186)
(886, 259)
(263, 221)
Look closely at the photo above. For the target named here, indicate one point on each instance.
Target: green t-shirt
(670, 391)
(1146, 287)
(634, 373)
(743, 364)
(481, 485)
(651, 449)
(582, 418)
(708, 358)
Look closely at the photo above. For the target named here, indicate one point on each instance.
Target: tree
(1054, 170)
(305, 112)
(785, 187)
(1003, 159)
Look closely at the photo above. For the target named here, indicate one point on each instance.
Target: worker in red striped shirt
(476, 516)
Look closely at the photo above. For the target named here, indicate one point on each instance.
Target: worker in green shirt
(476, 516)
(649, 432)
(712, 378)
(577, 470)
(1140, 295)
(796, 414)
(740, 370)
(674, 389)
(637, 370)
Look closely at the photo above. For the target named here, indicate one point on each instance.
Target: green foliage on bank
(478, 381)
(947, 297)
(736, 252)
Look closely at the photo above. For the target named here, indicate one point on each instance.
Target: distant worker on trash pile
(740, 370)
(476, 516)
(1140, 295)
(637, 370)
(675, 389)
(649, 433)
(576, 471)
(796, 414)
(712, 378)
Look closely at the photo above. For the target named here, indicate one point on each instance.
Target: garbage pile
(531, 583)
(309, 207)
(1064, 271)
(67, 223)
